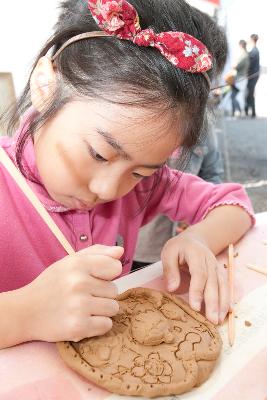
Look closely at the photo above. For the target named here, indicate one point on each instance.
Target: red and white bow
(119, 18)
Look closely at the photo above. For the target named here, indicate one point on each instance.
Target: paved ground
(243, 142)
(244, 146)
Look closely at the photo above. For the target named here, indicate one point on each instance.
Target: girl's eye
(96, 156)
(138, 176)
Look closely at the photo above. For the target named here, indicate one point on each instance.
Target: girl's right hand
(74, 297)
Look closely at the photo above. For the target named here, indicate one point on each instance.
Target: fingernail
(214, 317)
(196, 305)
(172, 285)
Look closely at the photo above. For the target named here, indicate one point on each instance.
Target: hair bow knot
(119, 18)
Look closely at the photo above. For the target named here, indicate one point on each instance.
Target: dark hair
(254, 37)
(243, 44)
(124, 73)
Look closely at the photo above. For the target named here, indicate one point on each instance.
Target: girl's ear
(42, 83)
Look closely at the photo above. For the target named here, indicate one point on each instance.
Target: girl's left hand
(208, 280)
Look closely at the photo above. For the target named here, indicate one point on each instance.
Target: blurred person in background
(205, 161)
(239, 87)
(253, 75)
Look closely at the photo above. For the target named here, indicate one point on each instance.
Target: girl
(115, 91)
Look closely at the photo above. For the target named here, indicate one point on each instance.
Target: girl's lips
(81, 205)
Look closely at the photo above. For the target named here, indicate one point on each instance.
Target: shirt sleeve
(185, 197)
(211, 167)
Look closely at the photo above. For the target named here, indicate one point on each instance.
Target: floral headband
(120, 19)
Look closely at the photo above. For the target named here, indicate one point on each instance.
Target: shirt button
(83, 238)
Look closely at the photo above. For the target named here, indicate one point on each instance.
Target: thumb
(100, 249)
(114, 251)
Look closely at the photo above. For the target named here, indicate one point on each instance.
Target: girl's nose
(106, 188)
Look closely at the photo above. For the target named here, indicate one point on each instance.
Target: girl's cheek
(75, 167)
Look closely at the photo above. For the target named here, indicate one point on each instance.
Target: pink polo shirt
(27, 246)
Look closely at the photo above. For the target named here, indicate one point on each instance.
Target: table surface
(34, 371)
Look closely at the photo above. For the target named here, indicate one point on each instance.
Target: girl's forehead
(129, 125)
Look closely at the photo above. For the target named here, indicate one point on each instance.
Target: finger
(99, 266)
(211, 294)
(99, 249)
(99, 325)
(103, 267)
(99, 306)
(171, 269)
(198, 271)
(224, 296)
(94, 326)
(100, 288)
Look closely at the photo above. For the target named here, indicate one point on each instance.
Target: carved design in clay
(157, 346)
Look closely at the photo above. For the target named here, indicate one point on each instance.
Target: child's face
(96, 152)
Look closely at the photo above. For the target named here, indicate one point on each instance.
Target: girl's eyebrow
(114, 143)
(117, 146)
